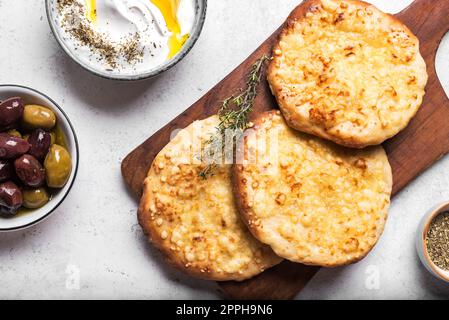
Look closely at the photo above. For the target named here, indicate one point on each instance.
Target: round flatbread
(312, 201)
(347, 72)
(194, 221)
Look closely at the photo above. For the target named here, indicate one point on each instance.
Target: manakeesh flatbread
(312, 201)
(347, 72)
(194, 221)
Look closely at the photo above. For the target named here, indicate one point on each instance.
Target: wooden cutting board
(424, 141)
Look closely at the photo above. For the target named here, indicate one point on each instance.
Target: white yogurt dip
(124, 37)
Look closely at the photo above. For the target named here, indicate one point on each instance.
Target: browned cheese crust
(312, 201)
(347, 72)
(194, 221)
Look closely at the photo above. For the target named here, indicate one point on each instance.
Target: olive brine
(33, 157)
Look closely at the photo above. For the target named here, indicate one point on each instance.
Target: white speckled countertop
(92, 246)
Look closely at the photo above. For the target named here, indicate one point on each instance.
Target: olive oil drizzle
(169, 10)
(91, 10)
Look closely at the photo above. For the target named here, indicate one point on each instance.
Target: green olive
(14, 133)
(59, 136)
(35, 198)
(38, 117)
(58, 166)
(53, 138)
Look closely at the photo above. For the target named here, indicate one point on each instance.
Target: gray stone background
(92, 246)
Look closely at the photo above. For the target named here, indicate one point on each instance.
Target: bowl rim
(75, 169)
(142, 76)
(443, 207)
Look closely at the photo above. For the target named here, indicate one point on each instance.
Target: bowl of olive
(38, 157)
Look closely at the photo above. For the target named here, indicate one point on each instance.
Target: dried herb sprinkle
(79, 28)
(437, 241)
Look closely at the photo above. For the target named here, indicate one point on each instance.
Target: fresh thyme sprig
(233, 116)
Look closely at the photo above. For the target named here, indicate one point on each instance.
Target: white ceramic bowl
(31, 96)
(421, 242)
(200, 16)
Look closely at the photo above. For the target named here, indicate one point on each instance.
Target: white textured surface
(95, 232)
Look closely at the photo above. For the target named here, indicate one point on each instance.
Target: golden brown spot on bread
(280, 198)
(361, 164)
(340, 17)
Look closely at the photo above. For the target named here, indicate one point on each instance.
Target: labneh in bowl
(75, 51)
(421, 242)
(28, 217)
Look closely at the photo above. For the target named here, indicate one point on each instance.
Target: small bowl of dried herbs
(432, 241)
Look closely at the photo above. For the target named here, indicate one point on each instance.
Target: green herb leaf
(233, 116)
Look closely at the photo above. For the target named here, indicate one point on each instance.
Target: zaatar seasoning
(64, 3)
(79, 28)
(437, 241)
